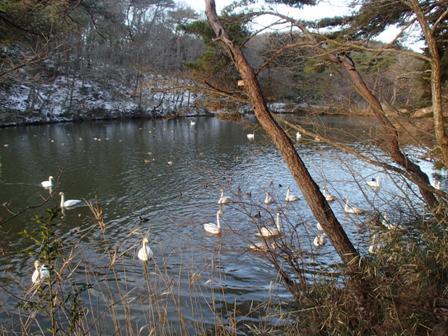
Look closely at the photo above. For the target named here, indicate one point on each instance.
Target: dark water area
(170, 172)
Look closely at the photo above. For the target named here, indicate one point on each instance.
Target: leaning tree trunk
(391, 136)
(391, 140)
(436, 86)
(310, 189)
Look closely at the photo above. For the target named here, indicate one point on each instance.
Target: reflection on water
(124, 167)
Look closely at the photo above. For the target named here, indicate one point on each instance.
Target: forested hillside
(94, 59)
(71, 60)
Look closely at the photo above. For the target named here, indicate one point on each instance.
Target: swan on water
(329, 197)
(250, 136)
(319, 240)
(261, 246)
(352, 209)
(224, 199)
(271, 232)
(268, 199)
(41, 272)
(391, 226)
(212, 227)
(192, 123)
(49, 183)
(319, 227)
(145, 253)
(68, 203)
(290, 197)
(374, 183)
(298, 136)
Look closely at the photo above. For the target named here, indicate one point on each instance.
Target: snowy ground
(65, 99)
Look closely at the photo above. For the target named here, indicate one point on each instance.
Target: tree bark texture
(436, 87)
(310, 189)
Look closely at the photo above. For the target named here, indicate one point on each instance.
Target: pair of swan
(352, 209)
(265, 232)
(64, 203)
(145, 253)
(271, 232)
(214, 228)
(224, 199)
(48, 184)
(250, 136)
(40, 274)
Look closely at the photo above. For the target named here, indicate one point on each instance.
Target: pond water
(124, 167)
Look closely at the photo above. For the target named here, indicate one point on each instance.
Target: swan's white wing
(70, 203)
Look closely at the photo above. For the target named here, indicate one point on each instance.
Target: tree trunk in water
(436, 87)
(310, 189)
(391, 136)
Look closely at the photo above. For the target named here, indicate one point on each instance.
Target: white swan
(192, 123)
(49, 183)
(268, 199)
(391, 226)
(68, 203)
(261, 246)
(212, 227)
(145, 253)
(352, 209)
(290, 197)
(374, 183)
(298, 136)
(250, 136)
(271, 232)
(319, 240)
(224, 199)
(329, 197)
(41, 272)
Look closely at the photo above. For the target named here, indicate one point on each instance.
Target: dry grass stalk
(98, 214)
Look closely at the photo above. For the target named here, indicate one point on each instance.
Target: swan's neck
(222, 193)
(62, 201)
(287, 192)
(278, 223)
(218, 223)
